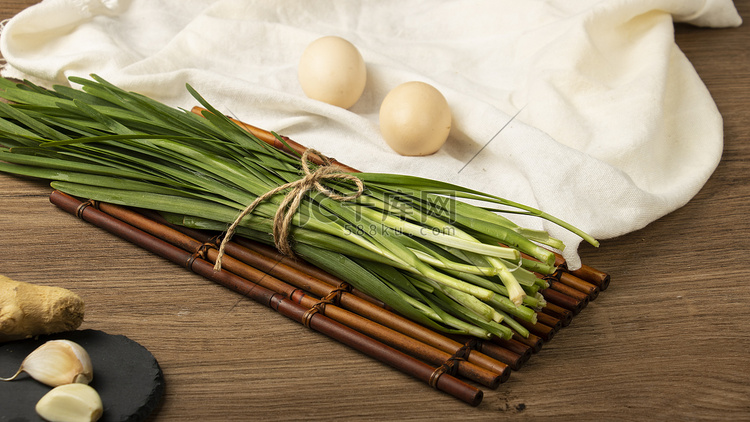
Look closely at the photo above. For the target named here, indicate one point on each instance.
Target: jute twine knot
(282, 221)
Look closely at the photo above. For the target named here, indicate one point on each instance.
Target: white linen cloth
(613, 127)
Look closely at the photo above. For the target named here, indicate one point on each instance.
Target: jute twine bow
(282, 221)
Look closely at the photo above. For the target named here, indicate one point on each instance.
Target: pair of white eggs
(415, 118)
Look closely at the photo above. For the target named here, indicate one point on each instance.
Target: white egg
(415, 119)
(332, 70)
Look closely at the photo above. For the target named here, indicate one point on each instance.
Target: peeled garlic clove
(71, 403)
(58, 362)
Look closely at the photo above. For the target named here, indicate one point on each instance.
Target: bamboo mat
(669, 339)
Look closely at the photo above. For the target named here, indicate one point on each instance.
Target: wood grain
(669, 340)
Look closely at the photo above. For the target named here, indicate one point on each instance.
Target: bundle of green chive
(410, 242)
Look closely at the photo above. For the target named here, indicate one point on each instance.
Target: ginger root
(28, 310)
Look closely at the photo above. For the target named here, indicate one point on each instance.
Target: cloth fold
(587, 110)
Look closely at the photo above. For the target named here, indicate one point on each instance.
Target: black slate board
(126, 376)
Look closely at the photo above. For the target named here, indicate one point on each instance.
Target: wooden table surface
(669, 340)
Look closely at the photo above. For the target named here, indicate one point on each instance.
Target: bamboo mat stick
(490, 376)
(562, 300)
(577, 295)
(545, 332)
(555, 324)
(533, 341)
(563, 315)
(589, 274)
(513, 358)
(515, 346)
(318, 322)
(591, 290)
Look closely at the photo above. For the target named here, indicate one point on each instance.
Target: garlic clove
(71, 403)
(58, 362)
